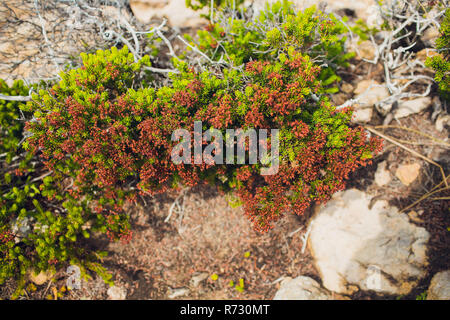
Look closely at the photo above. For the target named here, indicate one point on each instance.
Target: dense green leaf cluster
(237, 39)
(39, 222)
(441, 63)
(10, 127)
(199, 4)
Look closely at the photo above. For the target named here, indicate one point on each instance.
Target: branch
(15, 98)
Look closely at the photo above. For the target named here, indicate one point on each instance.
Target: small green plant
(199, 4)
(214, 277)
(422, 296)
(362, 29)
(237, 41)
(111, 139)
(441, 63)
(240, 287)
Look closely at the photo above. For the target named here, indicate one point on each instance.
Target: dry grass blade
(426, 196)
(441, 198)
(438, 141)
(15, 98)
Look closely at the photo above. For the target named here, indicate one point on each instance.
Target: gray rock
(442, 121)
(382, 176)
(406, 108)
(359, 245)
(301, 288)
(117, 293)
(174, 10)
(370, 92)
(384, 108)
(440, 286)
(40, 278)
(408, 173)
(176, 293)
(362, 115)
(430, 35)
(366, 50)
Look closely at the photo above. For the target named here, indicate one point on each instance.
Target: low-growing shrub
(111, 139)
(103, 137)
(441, 63)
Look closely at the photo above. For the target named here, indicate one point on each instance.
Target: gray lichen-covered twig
(405, 75)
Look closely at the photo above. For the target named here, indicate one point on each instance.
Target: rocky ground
(374, 241)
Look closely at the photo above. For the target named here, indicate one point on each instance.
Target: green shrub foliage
(103, 137)
(199, 4)
(441, 63)
(39, 222)
(110, 139)
(10, 128)
(240, 37)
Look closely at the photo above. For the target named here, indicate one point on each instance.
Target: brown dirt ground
(206, 236)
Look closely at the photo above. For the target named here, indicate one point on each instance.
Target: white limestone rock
(301, 288)
(357, 246)
(440, 286)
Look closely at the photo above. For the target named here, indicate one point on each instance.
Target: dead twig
(15, 98)
(425, 196)
(438, 141)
